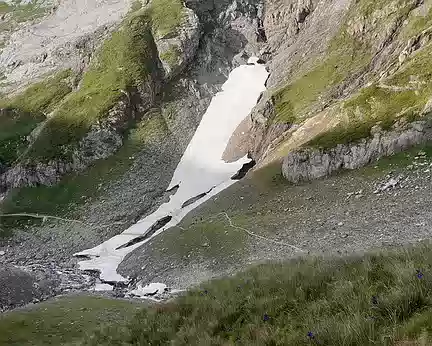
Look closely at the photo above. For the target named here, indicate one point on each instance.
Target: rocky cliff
(338, 68)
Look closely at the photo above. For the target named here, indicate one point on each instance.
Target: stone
(308, 164)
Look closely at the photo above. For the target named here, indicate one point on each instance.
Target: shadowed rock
(152, 230)
(244, 170)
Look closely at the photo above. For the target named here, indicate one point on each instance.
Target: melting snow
(149, 290)
(103, 287)
(201, 168)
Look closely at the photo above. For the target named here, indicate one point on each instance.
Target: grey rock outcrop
(308, 164)
(177, 49)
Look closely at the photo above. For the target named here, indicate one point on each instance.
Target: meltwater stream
(200, 173)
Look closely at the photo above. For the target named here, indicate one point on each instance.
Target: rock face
(308, 164)
(176, 51)
(310, 74)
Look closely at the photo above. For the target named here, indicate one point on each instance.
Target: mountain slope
(89, 149)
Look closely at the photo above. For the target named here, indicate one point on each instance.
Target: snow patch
(149, 290)
(201, 168)
(103, 287)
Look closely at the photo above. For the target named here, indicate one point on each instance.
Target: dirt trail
(264, 218)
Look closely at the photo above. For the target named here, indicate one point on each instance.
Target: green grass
(378, 105)
(62, 321)
(22, 113)
(75, 189)
(124, 62)
(166, 16)
(41, 97)
(376, 299)
(171, 56)
(346, 56)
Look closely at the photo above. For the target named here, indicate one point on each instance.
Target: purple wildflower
(266, 317)
(419, 274)
(311, 335)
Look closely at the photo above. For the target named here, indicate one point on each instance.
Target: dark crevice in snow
(244, 170)
(196, 198)
(152, 230)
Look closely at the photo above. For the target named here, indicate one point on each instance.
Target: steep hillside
(339, 70)
(98, 103)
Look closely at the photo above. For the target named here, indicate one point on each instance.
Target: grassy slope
(376, 104)
(348, 55)
(24, 111)
(125, 61)
(166, 16)
(376, 299)
(77, 188)
(63, 320)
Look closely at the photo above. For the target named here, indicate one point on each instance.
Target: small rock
(340, 224)
(2, 253)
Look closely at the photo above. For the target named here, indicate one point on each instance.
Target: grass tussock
(376, 299)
